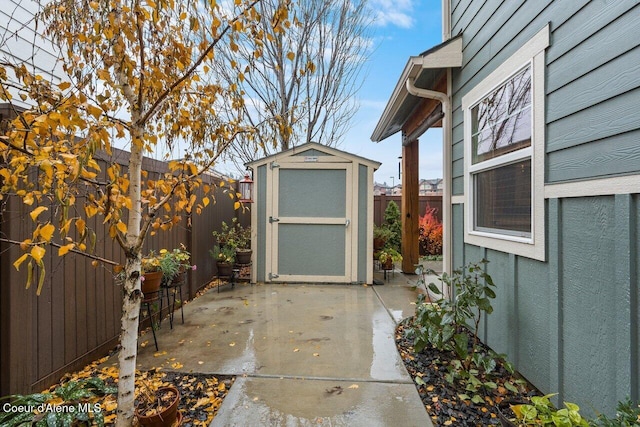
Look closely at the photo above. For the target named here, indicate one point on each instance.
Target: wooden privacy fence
(381, 201)
(76, 319)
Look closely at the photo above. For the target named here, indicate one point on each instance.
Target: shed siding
(261, 226)
(363, 219)
(569, 324)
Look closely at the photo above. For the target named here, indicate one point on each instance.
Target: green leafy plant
(224, 253)
(393, 223)
(234, 235)
(381, 232)
(627, 415)
(71, 403)
(389, 254)
(541, 412)
(451, 324)
(151, 263)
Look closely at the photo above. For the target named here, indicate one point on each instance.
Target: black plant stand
(171, 290)
(151, 298)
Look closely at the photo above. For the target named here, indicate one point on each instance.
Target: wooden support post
(410, 206)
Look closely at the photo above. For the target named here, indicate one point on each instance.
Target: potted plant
(381, 235)
(539, 412)
(159, 407)
(237, 237)
(225, 256)
(151, 275)
(175, 264)
(243, 243)
(389, 256)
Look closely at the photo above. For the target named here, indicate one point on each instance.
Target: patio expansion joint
(385, 306)
(316, 378)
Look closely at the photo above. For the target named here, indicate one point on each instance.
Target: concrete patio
(303, 354)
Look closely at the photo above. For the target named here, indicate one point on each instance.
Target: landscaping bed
(450, 403)
(200, 394)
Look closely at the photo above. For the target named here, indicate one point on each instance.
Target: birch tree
(302, 85)
(137, 72)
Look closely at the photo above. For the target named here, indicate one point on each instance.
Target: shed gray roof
(314, 146)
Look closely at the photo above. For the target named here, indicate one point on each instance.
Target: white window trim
(533, 53)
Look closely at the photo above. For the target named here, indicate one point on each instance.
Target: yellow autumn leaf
(94, 111)
(19, 261)
(122, 227)
(46, 232)
(64, 85)
(64, 249)
(236, 205)
(37, 252)
(90, 210)
(37, 211)
(81, 225)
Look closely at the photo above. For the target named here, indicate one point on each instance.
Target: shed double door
(309, 230)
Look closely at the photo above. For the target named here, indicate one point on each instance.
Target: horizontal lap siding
(593, 88)
(570, 324)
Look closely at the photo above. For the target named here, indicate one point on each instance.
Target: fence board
(380, 203)
(77, 317)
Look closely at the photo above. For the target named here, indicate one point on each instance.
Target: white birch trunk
(132, 296)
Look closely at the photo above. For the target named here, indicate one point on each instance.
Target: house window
(501, 125)
(504, 154)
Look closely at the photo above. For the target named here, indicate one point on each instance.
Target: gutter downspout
(446, 155)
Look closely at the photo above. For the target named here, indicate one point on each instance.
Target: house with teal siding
(539, 105)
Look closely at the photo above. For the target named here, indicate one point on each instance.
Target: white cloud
(393, 12)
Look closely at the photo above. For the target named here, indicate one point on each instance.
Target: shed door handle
(346, 224)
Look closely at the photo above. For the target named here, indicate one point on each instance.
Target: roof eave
(442, 56)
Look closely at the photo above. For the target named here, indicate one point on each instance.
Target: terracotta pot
(243, 256)
(151, 285)
(179, 278)
(167, 417)
(224, 269)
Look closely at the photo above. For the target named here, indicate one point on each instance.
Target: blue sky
(403, 28)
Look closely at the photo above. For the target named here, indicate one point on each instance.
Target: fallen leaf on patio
(181, 342)
(316, 354)
(354, 386)
(159, 353)
(232, 344)
(246, 303)
(255, 399)
(201, 402)
(295, 350)
(177, 365)
(144, 344)
(200, 362)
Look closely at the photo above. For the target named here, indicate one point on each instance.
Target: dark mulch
(443, 400)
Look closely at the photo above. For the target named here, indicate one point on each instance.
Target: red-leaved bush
(430, 233)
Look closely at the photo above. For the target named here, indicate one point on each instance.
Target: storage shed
(312, 220)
